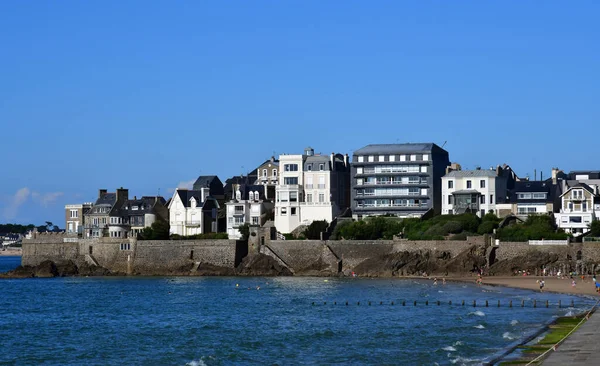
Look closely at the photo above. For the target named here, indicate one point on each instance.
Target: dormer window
(321, 167)
(309, 167)
(193, 202)
(251, 196)
(577, 194)
(238, 195)
(256, 196)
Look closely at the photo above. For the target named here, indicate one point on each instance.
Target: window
(584, 207)
(290, 180)
(423, 169)
(251, 196)
(371, 158)
(539, 196)
(413, 158)
(381, 158)
(450, 184)
(230, 220)
(321, 167)
(482, 199)
(293, 196)
(524, 196)
(309, 197)
(402, 157)
(450, 200)
(392, 157)
(254, 220)
(134, 208)
(265, 173)
(361, 159)
(577, 194)
(469, 184)
(74, 214)
(425, 157)
(274, 173)
(293, 211)
(482, 183)
(284, 211)
(70, 227)
(291, 167)
(491, 199)
(321, 182)
(575, 219)
(239, 220)
(239, 209)
(309, 182)
(309, 167)
(359, 182)
(570, 206)
(321, 197)
(124, 246)
(359, 170)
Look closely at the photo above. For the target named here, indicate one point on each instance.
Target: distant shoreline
(12, 252)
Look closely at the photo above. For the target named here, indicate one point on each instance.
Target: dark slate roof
(246, 189)
(205, 180)
(145, 205)
(580, 185)
(533, 186)
(106, 199)
(314, 161)
(592, 174)
(186, 195)
(397, 148)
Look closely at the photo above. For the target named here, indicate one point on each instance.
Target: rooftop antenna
(444, 144)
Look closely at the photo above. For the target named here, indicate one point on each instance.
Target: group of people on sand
(435, 281)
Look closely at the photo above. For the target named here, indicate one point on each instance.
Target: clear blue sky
(149, 94)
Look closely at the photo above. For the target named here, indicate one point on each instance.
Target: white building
(579, 207)
(247, 207)
(192, 212)
(311, 187)
(475, 191)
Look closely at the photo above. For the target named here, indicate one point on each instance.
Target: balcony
(193, 223)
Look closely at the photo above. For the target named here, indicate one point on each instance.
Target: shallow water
(211, 321)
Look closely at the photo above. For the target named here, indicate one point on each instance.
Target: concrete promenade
(581, 348)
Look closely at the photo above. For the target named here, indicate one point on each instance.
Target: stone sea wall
(312, 257)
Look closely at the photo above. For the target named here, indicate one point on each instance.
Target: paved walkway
(581, 348)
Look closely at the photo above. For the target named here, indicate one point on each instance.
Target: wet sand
(11, 252)
(552, 284)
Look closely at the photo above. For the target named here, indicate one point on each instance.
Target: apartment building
(311, 187)
(74, 217)
(397, 179)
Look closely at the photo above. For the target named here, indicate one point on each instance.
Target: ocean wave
(508, 336)
(569, 313)
(449, 348)
(514, 322)
(479, 326)
(464, 361)
(477, 313)
(195, 363)
(458, 343)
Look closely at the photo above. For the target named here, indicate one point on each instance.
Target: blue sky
(150, 94)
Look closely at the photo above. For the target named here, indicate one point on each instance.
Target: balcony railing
(193, 223)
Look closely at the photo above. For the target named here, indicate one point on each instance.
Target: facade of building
(97, 219)
(397, 179)
(247, 207)
(579, 207)
(477, 191)
(74, 217)
(130, 218)
(310, 187)
(193, 212)
(267, 175)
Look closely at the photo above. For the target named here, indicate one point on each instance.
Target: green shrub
(314, 230)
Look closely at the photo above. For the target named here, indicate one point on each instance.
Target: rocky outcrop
(533, 259)
(261, 265)
(416, 263)
(49, 269)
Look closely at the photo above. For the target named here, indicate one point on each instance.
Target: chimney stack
(122, 194)
(332, 158)
(555, 175)
(346, 160)
(101, 192)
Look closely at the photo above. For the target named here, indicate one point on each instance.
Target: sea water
(260, 321)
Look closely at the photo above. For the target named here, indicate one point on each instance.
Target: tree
(595, 228)
(245, 231)
(158, 231)
(314, 230)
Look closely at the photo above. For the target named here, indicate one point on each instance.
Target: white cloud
(46, 199)
(19, 198)
(187, 185)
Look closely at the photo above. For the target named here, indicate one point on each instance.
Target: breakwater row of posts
(474, 303)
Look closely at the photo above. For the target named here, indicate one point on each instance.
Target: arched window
(274, 173)
(251, 196)
(256, 196)
(238, 195)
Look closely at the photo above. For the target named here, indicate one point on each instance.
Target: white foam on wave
(569, 313)
(440, 291)
(514, 322)
(464, 361)
(195, 363)
(479, 326)
(477, 313)
(449, 348)
(508, 336)
(458, 343)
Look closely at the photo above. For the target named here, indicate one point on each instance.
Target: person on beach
(434, 281)
(573, 284)
(598, 287)
(542, 283)
(443, 280)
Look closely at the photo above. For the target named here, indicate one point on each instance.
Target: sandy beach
(552, 284)
(11, 252)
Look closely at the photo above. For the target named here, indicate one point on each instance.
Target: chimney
(332, 161)
(122, 194)
(554, 175)
(101, 192)
(478, 168)
(272, 159)
(346, 160)
(204, 192)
